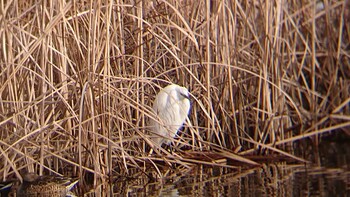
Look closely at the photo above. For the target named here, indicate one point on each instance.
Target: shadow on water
(331, 178)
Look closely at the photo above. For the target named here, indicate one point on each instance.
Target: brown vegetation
(78, 80)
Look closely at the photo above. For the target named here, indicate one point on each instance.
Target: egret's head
(183, 93)
(177, 92)
(183, 97)
(170, 95)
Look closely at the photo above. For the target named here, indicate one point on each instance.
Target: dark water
(330, 177)
(268, 180)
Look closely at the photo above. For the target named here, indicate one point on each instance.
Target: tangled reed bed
(78, 81)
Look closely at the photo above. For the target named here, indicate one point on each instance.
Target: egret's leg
(150, 152)
(171, 148)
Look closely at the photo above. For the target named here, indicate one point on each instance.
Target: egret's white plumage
(171, 106)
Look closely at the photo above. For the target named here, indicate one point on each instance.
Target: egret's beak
(186, 96)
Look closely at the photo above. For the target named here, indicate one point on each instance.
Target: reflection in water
(274, 179)
(268, 180)
(322, 182)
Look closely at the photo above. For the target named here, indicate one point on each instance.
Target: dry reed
(78, 80)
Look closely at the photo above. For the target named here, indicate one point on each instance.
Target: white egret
(171, 107)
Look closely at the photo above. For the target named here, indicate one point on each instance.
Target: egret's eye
(185, 96)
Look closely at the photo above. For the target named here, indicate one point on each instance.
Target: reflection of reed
(273, 179)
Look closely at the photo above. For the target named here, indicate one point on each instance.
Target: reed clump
(78, 80)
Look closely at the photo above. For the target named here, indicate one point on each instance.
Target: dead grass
(78, 80)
